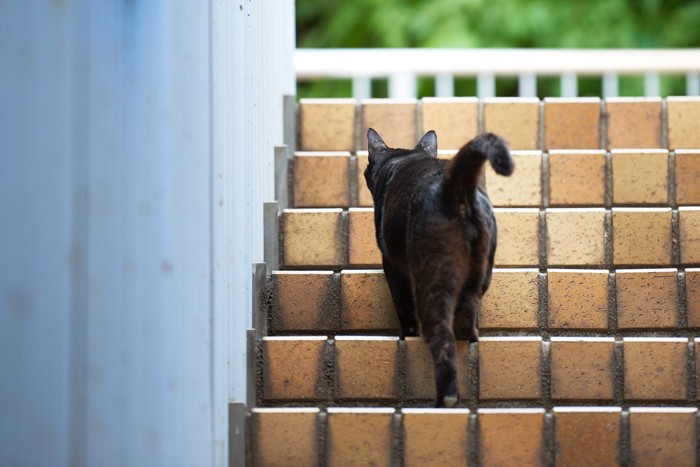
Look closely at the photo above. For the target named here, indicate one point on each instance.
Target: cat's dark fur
(437, 233)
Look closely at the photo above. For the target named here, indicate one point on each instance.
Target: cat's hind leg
(466, 314)
(435, 311)
(402, 295)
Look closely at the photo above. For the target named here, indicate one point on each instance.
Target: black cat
(437, 233)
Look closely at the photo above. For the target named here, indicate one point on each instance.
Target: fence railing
(402, 67)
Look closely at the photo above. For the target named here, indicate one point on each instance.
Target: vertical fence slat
(361, 87)
(692, 83)
(444, 85)
(610, 85)
(527, 85)
(486, 85)
(569, 85)
(652, 84)
(402, 86)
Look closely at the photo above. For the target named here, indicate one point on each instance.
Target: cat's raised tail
(464, 171)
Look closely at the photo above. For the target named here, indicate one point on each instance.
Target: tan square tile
(647, 298)
(454, 119)
(640, 177)
(393, 119)
(284, 436)
(687, 176)
(587, 436)
(364, 196)
(578, 299)
(572, 123)
(509, 367)
(435, 436)
(359, 436)
(512, 301)
(517, 120)
(655, 368)
(420, 370)
(575, 237)
(577, 178)
(641, 236)
(511, 437)
(303, 301)
(582, 368)
(293, 367)
(692, 286)
(362, 241)
(312, 237)
(663, 436)
(327, 124)
(321, 180)
(683, 115)
(634, 122)
(518, 230)
(689, 221)
(523, 188)
(366, 302)
(365, 367)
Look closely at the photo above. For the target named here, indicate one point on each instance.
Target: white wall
(134, 145)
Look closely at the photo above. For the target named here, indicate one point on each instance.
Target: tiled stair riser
(550, 124)
(531, 437)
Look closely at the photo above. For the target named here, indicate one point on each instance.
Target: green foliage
(500, 23)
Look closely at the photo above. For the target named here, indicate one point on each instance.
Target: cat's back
(415, 174)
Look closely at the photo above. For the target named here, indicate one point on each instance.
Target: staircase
(587, 355)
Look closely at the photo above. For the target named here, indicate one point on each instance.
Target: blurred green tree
(499, 23)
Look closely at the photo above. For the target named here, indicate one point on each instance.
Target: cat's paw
(450, 401)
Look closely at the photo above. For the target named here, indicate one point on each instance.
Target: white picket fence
(403, 66)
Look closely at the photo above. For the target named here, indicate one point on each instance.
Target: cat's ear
(374, 141)
(428, 143)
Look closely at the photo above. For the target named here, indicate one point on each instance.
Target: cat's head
(380, 152)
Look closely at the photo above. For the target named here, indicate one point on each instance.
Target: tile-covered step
(580, 436)
(571, 237)
(623, 237)
(496, 370)
(574, 178)
(564, 123)
(557, 301)
(559, 178)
